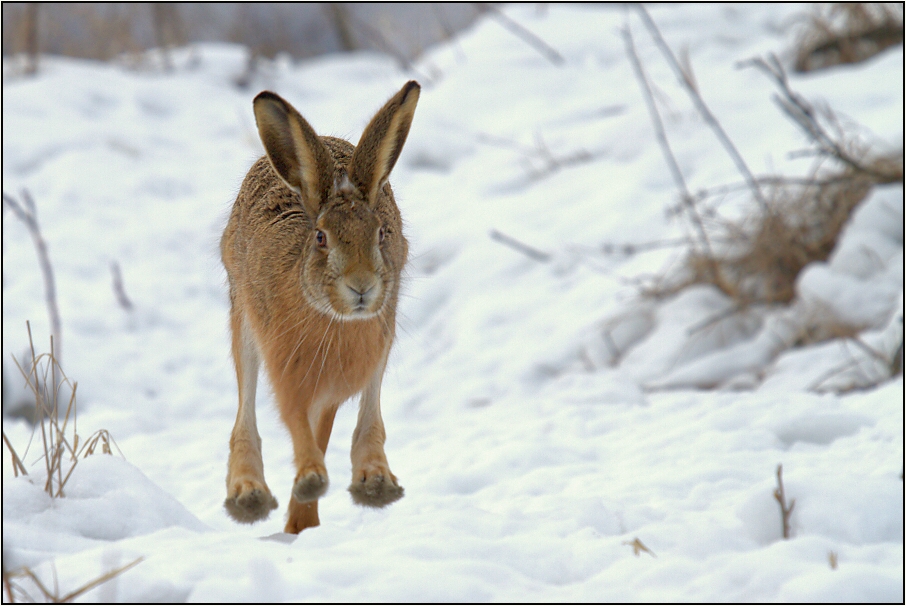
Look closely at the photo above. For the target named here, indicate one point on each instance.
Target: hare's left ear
(381, 143)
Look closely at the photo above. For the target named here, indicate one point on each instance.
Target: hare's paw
(249, 501)
(310, 484)
(375, 486)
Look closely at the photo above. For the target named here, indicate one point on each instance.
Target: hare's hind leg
(373, 484)
(248, 497)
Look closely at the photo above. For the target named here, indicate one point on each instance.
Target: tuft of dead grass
(62, 445)
(63, 448)
(790, 223)
(15, 585)
(847, 32)
(801, 224)
(797, 221)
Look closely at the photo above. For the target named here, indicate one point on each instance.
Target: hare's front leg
(304, 514)
(373, 484)
(248, 497)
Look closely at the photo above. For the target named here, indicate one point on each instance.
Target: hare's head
(354, 252)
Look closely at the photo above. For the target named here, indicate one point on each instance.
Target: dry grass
(801, 225)
(15, 585)
(796, 221)
(62, 445)
(791, 222)
(63, 449)
(847, 32)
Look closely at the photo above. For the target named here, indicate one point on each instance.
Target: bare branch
(28, 216)
(687, 199)
(528, 251)
(687, 82)
(803, 114)
(525, 35)
(338, 14)
(118, 289)
(31, 37)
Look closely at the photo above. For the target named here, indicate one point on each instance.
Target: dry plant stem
(803, 114)
(17, 462)
(31, 37)
(53, 436)
(854, 363)
(785, 510)
(687, 199)
(632, 249)
(54, 596)
(339, 16)
(526, 36)
(532, 253)
(28, 216)
(118, 289)
(377, 37)
(8, 586)
(638, 547)
(687, 82)
(161, 15)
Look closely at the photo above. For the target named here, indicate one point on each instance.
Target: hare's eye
(321, 239)
(380, 235)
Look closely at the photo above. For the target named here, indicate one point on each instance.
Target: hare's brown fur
(314, 250)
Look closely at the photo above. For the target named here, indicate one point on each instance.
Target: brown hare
(314, 249)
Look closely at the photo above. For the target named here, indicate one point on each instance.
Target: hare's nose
(362, 291)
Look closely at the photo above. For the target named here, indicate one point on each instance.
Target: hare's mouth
(353, 314)
(345, 310)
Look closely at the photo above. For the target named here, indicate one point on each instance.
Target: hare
(314, 250)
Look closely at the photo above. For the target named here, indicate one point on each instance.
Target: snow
(541, 415)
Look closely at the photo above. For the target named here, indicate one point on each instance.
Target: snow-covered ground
(541, 415)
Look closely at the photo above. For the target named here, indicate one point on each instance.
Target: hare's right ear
(295, 151)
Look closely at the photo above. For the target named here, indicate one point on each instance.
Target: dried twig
(27, 213)
(539, 160)
(54, 596)
(17, 462)
(785, 510)
(629, 249)
(31, 37)
(118, 289)
(688, 83)
(638, 547)
(338, 14)
(896, 362)
(60, 449)
(803, 114)
(525, 35)
(530, 252)
(848, 32)
(688, 201)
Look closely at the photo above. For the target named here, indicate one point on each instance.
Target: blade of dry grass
(17, 462)
(53, 596)
(59, 449)
(523, 34)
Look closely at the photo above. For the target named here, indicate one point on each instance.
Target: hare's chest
(334, 359)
